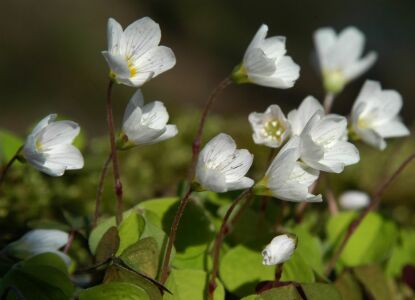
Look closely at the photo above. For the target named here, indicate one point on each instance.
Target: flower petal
(58, 133)
(141, 36)
(155, 115)
(240, 184)
(171, 131)
(391, 129)
(117, 64)
(156, 60)
(258, 38)
(298, 118)
(239, 165)
(218, 149)
(324, 40)
(211, 179)
(353, 71)
(134, 105)
(114, 35)
(61, 158)
(258, 64)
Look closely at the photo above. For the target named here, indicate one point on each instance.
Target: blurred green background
(50, 61)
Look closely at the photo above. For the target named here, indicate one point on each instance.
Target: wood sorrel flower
(271, 128)
(145, 124)
(354, 200)
(265, 63)
(49, 147)
(279, 249)
(324, 144)
(134, 55)
(39, 241)
(340, 56)
(298, 118)
(375, 115)
(221, 167)
(287, 178)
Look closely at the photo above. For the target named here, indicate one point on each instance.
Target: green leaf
(143, 256)
(288, 292)
(116, 273)
(310, 248)
(108, 245)
(195, 219)
(402, 254)
(241, 269)
(129, 232)
(114, 291)
(9, 144)
(296, 269)
(41, 277)
(321, 291)
(365, 246)
(375, 282)
(348, 287)
(190, 285)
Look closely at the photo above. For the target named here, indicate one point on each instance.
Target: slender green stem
(172, 235)
(377, 197)
(100, 188)
(115, 165)
(9, 164)
(224, 230)
(70, 241)
(197, 140)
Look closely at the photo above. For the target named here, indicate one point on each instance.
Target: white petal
(171, 131)
(156, 61)
(155, 115)
(329, 130)
(337, 157)
(279, 250)
(281, 166)
(61, 158)
(43, 123)
(258, 64)
(274, 47)
(258, 38)
(58, 133)
(349, 47)
(218, 149)
(114, 35)
(391, 129)
(355, 70)
(371, 137)
(38, 241)
(324, 40)
(134, 106)
(211, 179)
(240, 184)
(238, 166)
(298, 118)
(287, 70)
(371, 89)
(141, 36)
(118, 65)
(138, 80)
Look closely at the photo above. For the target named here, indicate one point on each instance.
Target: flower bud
(279, 250)
(354, 200)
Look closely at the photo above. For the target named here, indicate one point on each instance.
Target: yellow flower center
(273, 129)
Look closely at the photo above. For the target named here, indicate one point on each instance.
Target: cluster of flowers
(312, 138)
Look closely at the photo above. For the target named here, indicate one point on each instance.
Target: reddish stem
(115, 165)
(197, 140)
(172, 235)
(224, 230)
(100, 188)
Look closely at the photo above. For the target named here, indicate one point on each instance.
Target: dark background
(50, 57)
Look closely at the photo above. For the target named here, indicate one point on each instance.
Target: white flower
(324, 144)
(340, 56)
(298, 118)
(39, 241)
(48, 148)
(145, 124)
(375, 115)
(271, 128)
(287, 178)
(279, 250)
(265, 62)
(221, 167)
(354, 200)
(134, 55)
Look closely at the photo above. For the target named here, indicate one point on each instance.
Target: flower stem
(100, 188)
(172, 235)
(197, 140)
(115, 166)
(328, 102)
(9, 164)
(373, 206)
(70, 241)
(224, 230)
